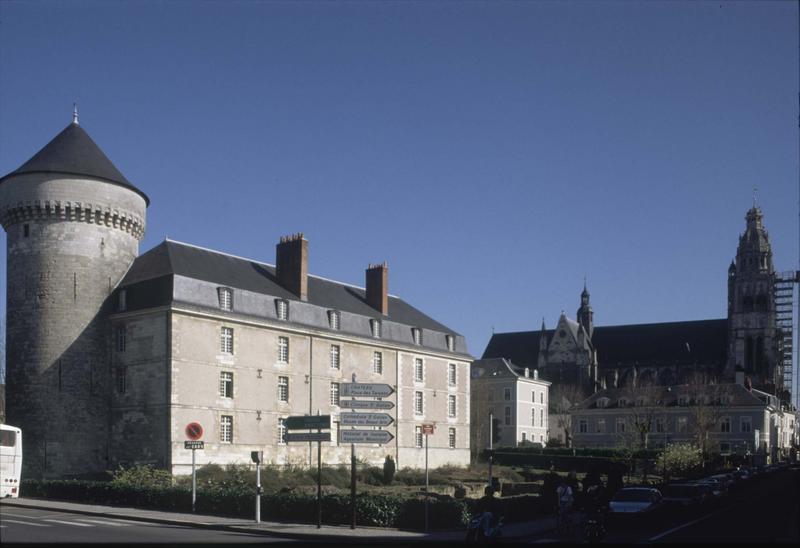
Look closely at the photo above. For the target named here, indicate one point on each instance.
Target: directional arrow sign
(365, 419)
(365, 404)
(366, 390)
(302, 436)
(364, 436)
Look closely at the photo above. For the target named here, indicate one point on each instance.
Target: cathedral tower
(73, 225)
(751, 308)
(585, 315)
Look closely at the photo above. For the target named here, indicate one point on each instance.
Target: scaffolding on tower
(784, 310)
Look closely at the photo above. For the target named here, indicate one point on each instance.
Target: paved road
(46, 526)
(765, 509)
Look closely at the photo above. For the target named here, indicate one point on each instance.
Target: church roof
(73, 152)
(176, 258)
(673, 343)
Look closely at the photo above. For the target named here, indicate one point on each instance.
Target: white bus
(10, 460)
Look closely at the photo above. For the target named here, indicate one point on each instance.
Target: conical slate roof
(73, 152)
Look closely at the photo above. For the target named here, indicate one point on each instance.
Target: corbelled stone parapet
(73, 211)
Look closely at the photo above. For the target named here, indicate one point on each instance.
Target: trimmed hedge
(371, 509)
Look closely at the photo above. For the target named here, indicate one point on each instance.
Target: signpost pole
(194, 482)
(258, 491)
(426, 482)
(491, 424)
(319, 483)
(353, 484)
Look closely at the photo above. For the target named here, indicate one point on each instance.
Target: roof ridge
(168, 239)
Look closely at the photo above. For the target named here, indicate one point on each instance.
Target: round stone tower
(74, 223)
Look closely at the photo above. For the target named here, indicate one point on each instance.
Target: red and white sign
(194, 431)
(427, 429)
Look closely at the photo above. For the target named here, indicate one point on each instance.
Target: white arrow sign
(365, 419)
(364, 436)
(365, 404)
(366, 390)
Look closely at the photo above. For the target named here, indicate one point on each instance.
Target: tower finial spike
(75, 113)
(755, 197)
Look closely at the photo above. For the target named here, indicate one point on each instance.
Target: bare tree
(563, 397)
(709, 401)
(646, 405)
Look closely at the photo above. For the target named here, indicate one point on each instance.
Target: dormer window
(622, 402)
(122, 302)
(451, 342)
(683, 400)
(641, 402)
(282, 309)
(375, 327)
(225, 295)
(416, 334)
(333, 319)
(602, 403)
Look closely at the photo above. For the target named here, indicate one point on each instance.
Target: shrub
(141, 477)
(680, 459)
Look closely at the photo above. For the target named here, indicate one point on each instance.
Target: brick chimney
(378, 287)
(291, 264)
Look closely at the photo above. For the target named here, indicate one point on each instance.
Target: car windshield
(633, 495)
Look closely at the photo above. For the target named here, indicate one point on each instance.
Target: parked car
(743, 473)
(719, 488)
(635, 500)
(727, 479)
(687, 494)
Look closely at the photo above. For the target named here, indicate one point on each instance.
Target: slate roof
(739, 395)
(176, 258)
(73, 152)
(499, 368)
(673, 343)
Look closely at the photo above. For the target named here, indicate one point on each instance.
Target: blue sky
(493, 153)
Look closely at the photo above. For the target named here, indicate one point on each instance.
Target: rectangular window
(601, 426)
(541, 397)
(333, 319)
(375, 326)
(226, 429)
(541, 417)
(507, 394)
(226, 340)
(119, 381)
(524, 438)
(26, 230)
(621, 425)
(416, 335)
(282, 309)
(418, 370)
(122, 303)
(225, 295)
(533, 396)
(334, 393)
(659, 425)
(122, 338)
(583, 426)
(283, 349)
(451, 406)
(683, 425)
(508, 416)
(451, 438)
(745, 424)
(226, 384)
(335, 356)
(377, 363)
(418, 403)
(725, 424)
(281, 431)
(533, 417)
(283, 389)
(418, 436)
(451, 374)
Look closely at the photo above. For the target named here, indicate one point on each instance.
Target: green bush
(141, 477)
(679, 459)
